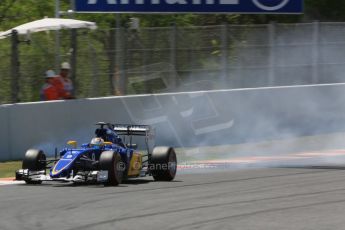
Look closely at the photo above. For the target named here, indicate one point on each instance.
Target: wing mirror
(72, 143)
(132, 146)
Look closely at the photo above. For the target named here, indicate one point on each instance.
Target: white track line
(2, 182)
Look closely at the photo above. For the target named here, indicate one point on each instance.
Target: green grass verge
(7, 169)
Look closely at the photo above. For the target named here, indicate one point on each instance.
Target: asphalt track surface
(276, 198)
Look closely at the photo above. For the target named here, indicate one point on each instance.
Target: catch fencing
(172, 59)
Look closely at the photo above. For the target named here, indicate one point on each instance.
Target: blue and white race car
(107, 159)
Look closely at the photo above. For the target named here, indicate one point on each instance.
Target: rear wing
(134, 130)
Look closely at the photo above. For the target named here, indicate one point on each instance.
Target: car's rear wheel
(163, 163)
(34, 160)
(111, 162)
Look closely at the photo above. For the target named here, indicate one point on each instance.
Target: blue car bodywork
(70, 158)
(106, 159)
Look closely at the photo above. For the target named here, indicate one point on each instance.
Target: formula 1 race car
(106, 159)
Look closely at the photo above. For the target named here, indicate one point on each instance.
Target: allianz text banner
(192, 6)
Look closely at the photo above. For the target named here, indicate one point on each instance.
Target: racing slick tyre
(111, 162)
(34, 160)
(163, 163)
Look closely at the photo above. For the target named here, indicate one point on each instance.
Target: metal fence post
(95, 75)
(272, 44)
(145, 63)
(112, 54)
(315, 52)
(74, 46)
(173, 46)
(120, 58)
(15, 65)
(74, 54)
(118, 55)
(57, 37)
(224, 38)
(120, 61)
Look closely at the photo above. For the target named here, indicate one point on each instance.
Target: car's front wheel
(34, 160)
(111, 161)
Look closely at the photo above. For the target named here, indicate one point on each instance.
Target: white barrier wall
(5, 152)
(180, 119)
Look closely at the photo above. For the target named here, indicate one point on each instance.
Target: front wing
(92, 176)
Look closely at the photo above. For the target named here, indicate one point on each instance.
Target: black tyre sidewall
(111, 161)
(32, 160)
(160, 166)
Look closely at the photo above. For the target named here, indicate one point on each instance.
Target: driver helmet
(97, 141)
